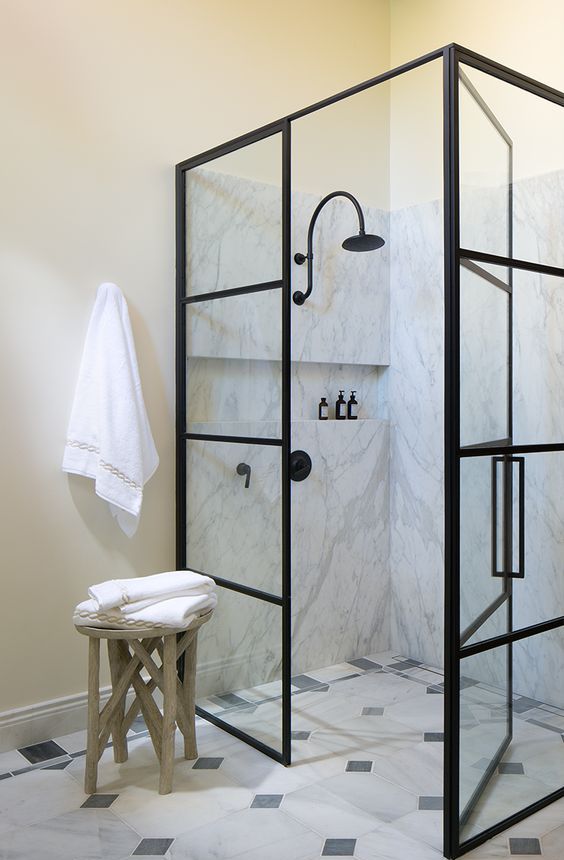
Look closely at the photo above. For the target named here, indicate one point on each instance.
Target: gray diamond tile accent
(61, 765)
(372, 712)
(305, 682)
(207, 763)
(153, 847)
(524, 704)
(359, 766)
(430, 802)
(524, 846)
(42, 752)
(511, 767)
(433, 737)
(437, 691)
(367, 665)
(5, 775)
(403, 665)
(339, 848)
(228, 700)
(300, 736)
(267, 801)
(99, 801)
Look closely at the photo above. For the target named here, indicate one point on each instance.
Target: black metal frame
(456, 648)
(456, 644)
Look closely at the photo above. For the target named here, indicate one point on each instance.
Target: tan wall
(99, 100)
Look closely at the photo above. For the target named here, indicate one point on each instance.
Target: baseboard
(45, 720)
(57, 717)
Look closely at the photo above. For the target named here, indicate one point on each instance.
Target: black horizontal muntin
(510, 262)
(508, 638)
(240, 735)
(241, 440)
(483, 273)
(480, 838)
(510, 76)
(242, 589)
(483, 617)
(493, 449)
(232, 291)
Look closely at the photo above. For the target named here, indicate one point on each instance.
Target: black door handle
(245, 469)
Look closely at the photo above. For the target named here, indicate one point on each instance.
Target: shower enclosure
(450, 483)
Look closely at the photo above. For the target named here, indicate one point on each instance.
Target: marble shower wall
(340, 547)
(340, 340)
(416, 411)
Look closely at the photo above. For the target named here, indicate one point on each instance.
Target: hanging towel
(177, 612)
(109, 438)
(130, 595)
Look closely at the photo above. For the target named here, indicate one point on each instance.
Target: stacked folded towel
(172, 599)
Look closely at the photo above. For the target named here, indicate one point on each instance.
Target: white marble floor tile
(553, 844)
(491, 850)
(261, 774)
(425, 826)
(83, 833)
(12, 760)
(37, 796)
(424, 712)
(418, 768)
(72, 743)
(241, 833)
(199, 797)
(327, 814)
(378, 735)
(330, 673)
(380, 798)
(141, 768)
(387, 843)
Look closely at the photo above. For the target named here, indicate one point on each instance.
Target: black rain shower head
(362, 242)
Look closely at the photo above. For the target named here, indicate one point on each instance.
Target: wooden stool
(125, 669)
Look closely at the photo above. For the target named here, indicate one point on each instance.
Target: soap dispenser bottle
(352, 406)
(323, 409)
(341, 407)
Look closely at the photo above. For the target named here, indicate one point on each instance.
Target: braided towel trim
(84, 446)
(114, 622)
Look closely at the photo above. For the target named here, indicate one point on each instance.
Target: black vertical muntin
(451, 441)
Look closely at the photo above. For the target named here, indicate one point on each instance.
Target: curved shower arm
(299, 297)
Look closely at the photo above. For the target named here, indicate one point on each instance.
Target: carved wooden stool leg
(169, 714)
(189, 697)
(91, 772)
(118, 664)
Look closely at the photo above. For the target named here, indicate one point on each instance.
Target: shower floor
(366, 782)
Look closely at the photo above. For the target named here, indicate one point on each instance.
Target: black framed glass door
(505, 450)
(233, 427)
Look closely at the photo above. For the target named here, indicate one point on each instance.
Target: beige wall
(99, 100)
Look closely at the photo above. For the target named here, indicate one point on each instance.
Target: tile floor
(366, 782)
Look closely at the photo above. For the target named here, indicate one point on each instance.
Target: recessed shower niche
(445, 485)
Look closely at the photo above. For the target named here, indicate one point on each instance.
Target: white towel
(177, 612)
(109, 438)
(130, 595)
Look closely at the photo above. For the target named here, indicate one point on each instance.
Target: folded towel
(157, 586)
(177, 612)
(109, 438)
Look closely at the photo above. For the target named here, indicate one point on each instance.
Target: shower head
(363, 242)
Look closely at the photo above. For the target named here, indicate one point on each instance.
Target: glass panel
(240, 666)
(538, 358)
(484, 175)
(533, 765)
(536, 128)
(478, 588)
(234, 531)
(484, 728)
(540, 595)
(234, 219)
(484, 359)
(244, 326)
